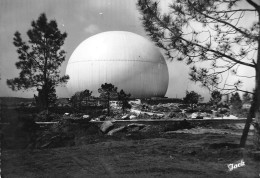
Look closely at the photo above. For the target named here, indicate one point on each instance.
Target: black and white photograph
(129, 88)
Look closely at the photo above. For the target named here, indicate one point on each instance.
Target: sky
(80, 19)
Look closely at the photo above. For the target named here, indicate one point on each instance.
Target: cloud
(92, 29)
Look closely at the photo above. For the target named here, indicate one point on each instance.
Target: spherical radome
(127, 60)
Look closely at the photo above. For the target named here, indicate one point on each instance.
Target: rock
(160, 115)
(230, 117)
(95, 119)
(102, 117)
(106, 126)
(194, 115)
(135, 127)
(125, 117)
(132, 117)
(120, 129)
(85, 116)
(66, 114)
(138, 112)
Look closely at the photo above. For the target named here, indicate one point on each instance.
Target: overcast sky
(80, 19)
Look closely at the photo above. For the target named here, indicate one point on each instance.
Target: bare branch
(244, 76)
(236, 10)
(224, 22)
(221, 54)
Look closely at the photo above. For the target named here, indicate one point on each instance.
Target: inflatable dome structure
(127, 60)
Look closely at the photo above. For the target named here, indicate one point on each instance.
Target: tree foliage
(108, 92)
(123, 100)
(219, 39)
(75, 101)
(79, 97)
(39, 59)
(215, 97)
(236, 102)
(192, 97)
(86, 95)
(247, 98)
(212, 37)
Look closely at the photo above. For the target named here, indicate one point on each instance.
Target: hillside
(11, 101)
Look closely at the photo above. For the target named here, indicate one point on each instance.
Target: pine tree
(39, 60)
(86, 94)
(220, 45)
(107, 92)
(77, 99)
(236, 102)
(215, 97)
(246, 98)
(192, 97)
(123, 99)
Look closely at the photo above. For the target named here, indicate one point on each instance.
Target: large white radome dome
(127, 60)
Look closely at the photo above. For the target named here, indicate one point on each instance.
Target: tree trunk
(108, 105)
(257, 93)
(45, 85)
(249, 119)
(257, 101)
(46, 103)
(255, 107)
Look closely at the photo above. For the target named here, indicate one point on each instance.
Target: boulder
(132, 117)
(136, 126)
(102, 117)
(125, 117)
(85, 116)
(119, 129)
(194, 115)
(106, 126)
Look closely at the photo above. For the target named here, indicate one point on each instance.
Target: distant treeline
(155, 101)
